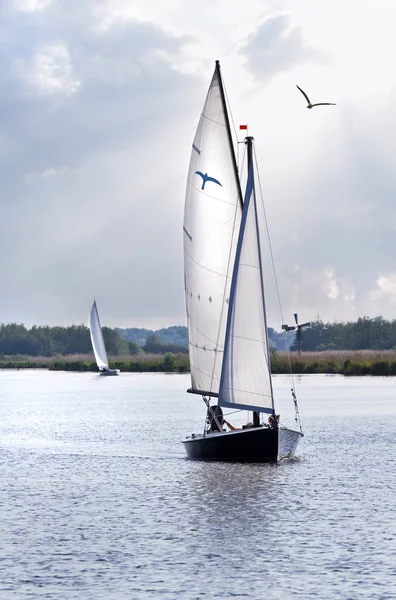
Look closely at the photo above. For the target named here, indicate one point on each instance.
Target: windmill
(299, 328)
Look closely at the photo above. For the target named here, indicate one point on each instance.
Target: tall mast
(256, 415)
(229, 134)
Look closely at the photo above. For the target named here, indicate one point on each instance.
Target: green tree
(134, 348)
(169, 363)
(114, 344)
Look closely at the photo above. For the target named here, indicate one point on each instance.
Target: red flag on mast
(242, 126)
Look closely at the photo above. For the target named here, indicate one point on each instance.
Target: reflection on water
(97, 499)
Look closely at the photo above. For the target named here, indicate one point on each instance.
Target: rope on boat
(235, 132)
(293, 389)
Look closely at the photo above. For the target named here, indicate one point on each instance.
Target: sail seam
(198, 189)
(205, 373)
(204, 348)
(206, 268)
(250, 266)
(203, 335)
(249, 339)
(247, 392)
(213, 120)
(242, 406)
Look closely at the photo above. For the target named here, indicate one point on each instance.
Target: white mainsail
(97, 338)
(246, 375)
(212, 216)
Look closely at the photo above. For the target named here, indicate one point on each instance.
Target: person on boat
(215, 418)
(273, 421)
(218, 413)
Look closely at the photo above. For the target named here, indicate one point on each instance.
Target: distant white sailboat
(98, 343)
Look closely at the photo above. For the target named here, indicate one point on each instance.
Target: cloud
(99, 105)
(312, 292)
(383, 295)
(32, 5)
(46, 175)
(92, 158)
(50, 72)
(277, 47)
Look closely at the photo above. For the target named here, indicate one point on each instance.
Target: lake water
(97, 499)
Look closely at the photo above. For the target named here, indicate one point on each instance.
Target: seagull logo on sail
(206, 178)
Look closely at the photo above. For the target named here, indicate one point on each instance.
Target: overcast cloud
(99, 102)
(276, 47)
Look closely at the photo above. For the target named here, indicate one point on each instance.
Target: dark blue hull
(260, 444)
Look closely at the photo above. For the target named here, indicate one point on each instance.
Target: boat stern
(288, 442)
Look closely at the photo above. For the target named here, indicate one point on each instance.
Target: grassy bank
(362, 362)
(343, 362)
(177, 363)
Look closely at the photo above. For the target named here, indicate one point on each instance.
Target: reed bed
(344, 362)
(85, 362)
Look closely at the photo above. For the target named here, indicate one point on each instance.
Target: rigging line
(232, 412)
(232, 121)
(259, 250)
(293, 390)
(268, 236)
(244, 155)
(226, 110)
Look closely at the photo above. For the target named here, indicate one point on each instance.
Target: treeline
(280, 341)
(176, 335)
(49, 341)
(364, 334)
(16, 339)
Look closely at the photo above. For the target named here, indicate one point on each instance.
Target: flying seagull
(310, 105)
(206, 178)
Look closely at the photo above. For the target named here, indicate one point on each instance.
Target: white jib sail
(97, 339)
(246, 377)
(211, 224)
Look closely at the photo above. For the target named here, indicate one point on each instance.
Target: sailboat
(98, 343)
(225, 300)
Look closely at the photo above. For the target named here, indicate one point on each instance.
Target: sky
(99, 102)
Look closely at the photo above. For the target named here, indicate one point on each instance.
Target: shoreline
(353, 362)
